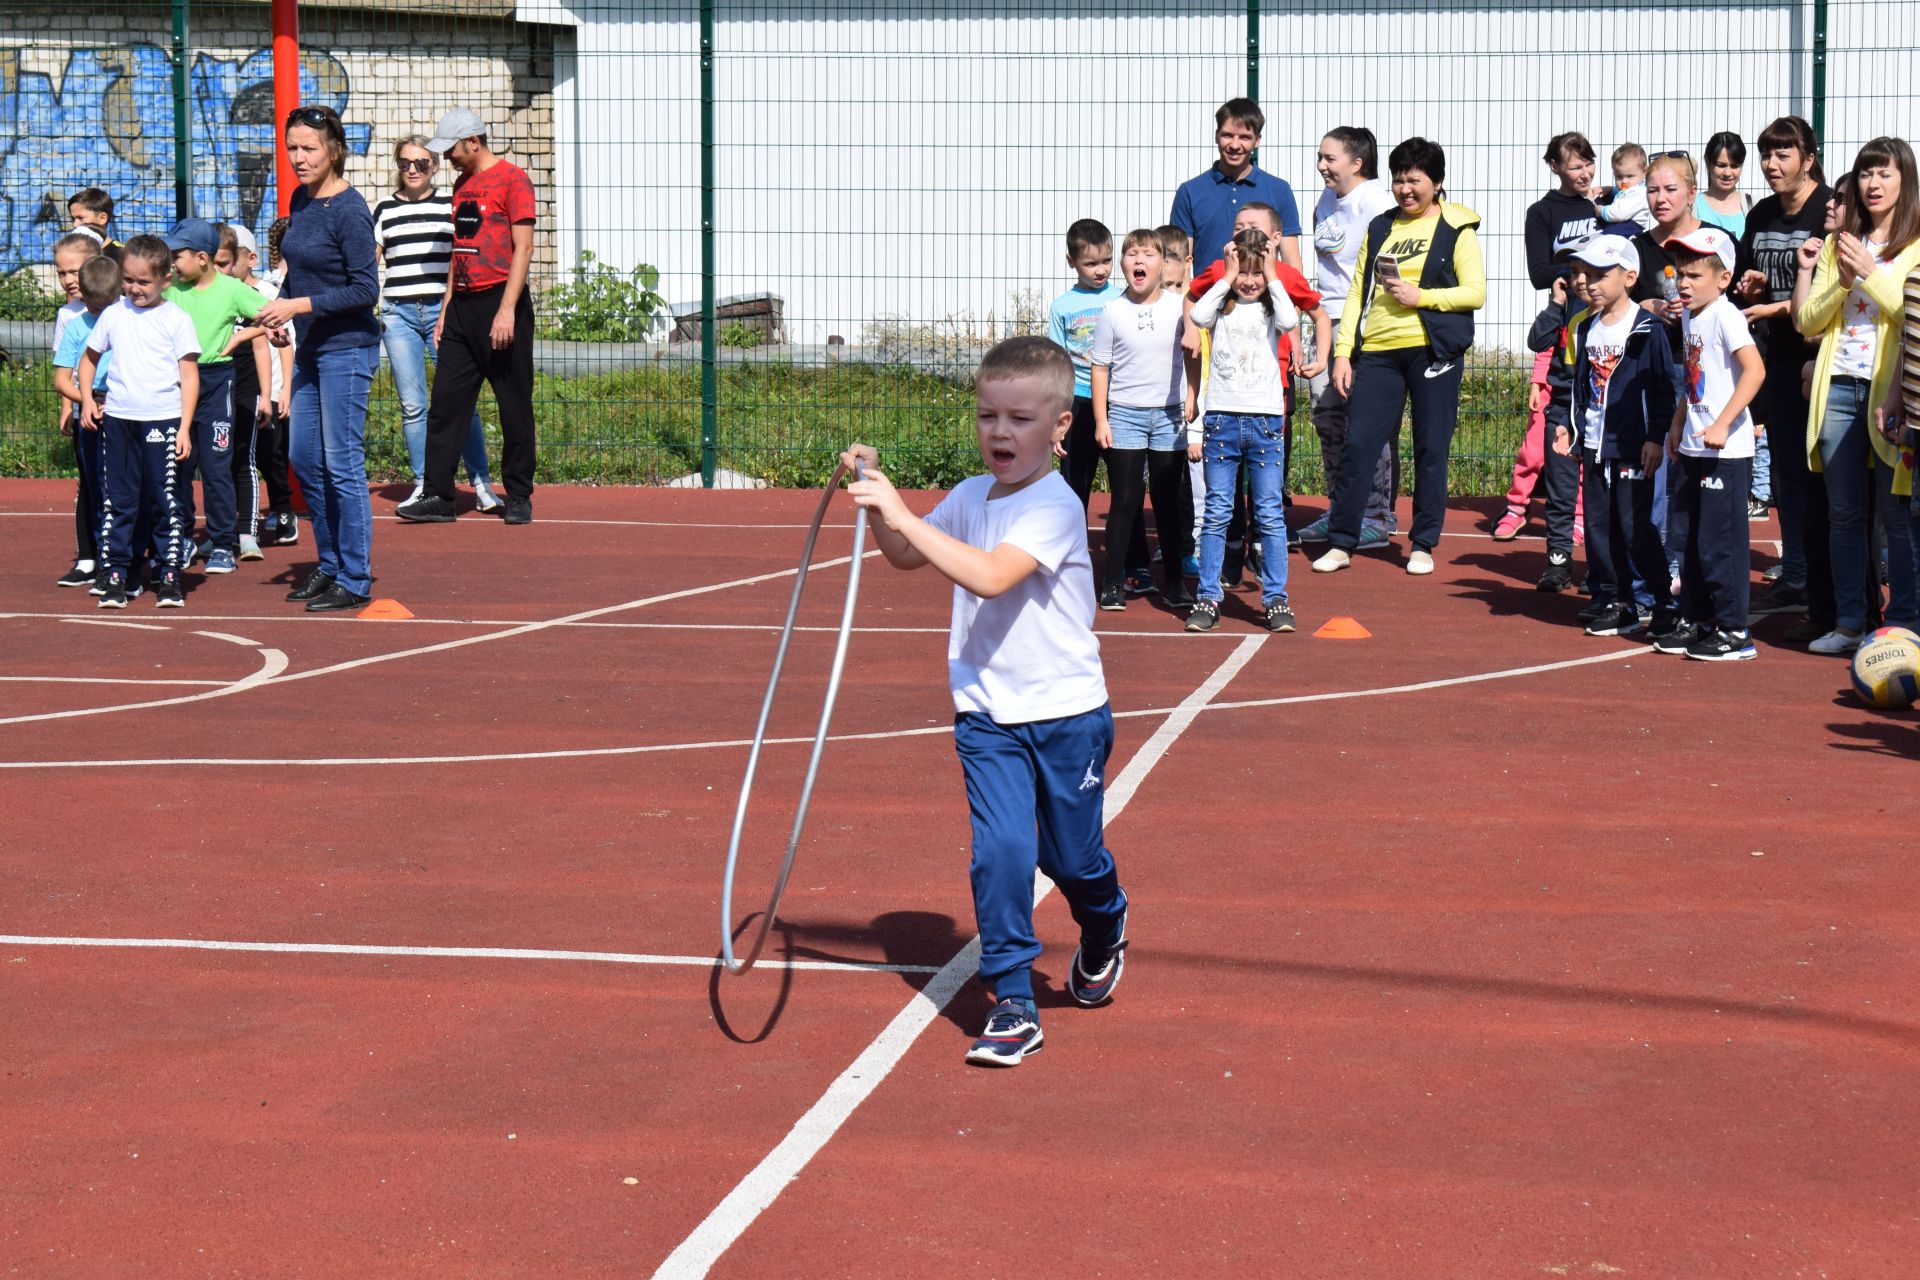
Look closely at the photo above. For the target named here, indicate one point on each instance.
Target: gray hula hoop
(738, 966)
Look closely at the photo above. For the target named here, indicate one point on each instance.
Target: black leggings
(1163, 468)
(1082, 463)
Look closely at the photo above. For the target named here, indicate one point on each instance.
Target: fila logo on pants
(1712, 482)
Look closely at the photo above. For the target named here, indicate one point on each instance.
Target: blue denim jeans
(1136, 428)
(1850, 466)
(406, 330)
(329, 454)
(1257, 440)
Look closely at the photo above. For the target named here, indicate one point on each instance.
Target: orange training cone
(385, 611)
(1341, 629)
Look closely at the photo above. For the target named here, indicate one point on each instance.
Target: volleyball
(1886, 669)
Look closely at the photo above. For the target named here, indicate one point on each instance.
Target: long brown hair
(1254, 247)
(1904, 228)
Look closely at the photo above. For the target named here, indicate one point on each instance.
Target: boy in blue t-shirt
(1033, 727)
(97, 286)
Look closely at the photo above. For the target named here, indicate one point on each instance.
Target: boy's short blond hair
(1174, 241)
(99, 280)
(1629, 151)
(1144, 238)
(1032, 356)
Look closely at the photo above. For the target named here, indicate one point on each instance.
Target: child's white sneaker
(1420, 563)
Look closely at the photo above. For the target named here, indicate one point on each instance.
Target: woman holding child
(332, 282)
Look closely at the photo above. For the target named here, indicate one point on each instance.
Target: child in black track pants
(1712, 444)
(1559, 472)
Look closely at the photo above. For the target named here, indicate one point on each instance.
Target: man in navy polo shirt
(1205, 206)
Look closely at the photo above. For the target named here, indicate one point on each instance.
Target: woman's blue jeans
(329, 454)
(407, 331)
(1851, 466)
(1257, 440)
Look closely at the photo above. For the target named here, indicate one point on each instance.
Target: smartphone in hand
(1387, 268)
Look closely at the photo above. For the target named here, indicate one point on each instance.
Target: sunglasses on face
(415, 166)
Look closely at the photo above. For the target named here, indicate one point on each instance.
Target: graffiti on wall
(108, 123)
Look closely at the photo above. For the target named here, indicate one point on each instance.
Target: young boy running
(1712, 443)
(1032, 726)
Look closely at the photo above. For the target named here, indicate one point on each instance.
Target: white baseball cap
(1605, 251)
(244, 238)
(456, 124)
(1706, 240)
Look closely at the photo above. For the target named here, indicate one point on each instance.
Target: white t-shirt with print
(1140, 345)
(1339, 225)
(1859, 344)
(1606, 343)
(1709, 341)
(148, 344)
(1029, 653)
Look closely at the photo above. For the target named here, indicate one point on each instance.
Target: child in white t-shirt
(1711, 441)
(1033, 728)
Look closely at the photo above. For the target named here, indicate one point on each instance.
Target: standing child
(1070, 323)
(99, 286)
(1551, 338)
(1143, 394)
(1032, 726)
(152, 385)
(1246, 312)
(1623, 401)
(1711, 441)
(280, 527)
(70, 254)
(217, 304)
(1626, 199)
(1174, 278)
(252, 400)
(91, 211)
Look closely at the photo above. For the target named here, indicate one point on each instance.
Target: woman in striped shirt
(414, 231)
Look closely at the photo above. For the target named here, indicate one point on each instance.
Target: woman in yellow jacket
(1849, 296)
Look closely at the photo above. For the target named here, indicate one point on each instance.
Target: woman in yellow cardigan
(1849, 296)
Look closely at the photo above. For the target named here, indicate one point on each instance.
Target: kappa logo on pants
(1092, 779)
(155, 436)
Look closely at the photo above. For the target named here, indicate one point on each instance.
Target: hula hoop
(739, 966)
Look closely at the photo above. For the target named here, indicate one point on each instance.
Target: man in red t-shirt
(485, 330)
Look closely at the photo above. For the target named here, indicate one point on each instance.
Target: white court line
(579, 753)
(198, 684)
(112, 622)
(764, 1183)
(221, 635)
(272, 663)
(457, 953)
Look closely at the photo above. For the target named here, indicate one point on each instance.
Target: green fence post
(1820, 73)
(182, 118)
(1253, 49)
(709, 379)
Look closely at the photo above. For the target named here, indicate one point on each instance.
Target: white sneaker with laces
(485, 500)
(1835, 642)
(419, 487)
(1420, 563)
(250, 548)
(1333, 561)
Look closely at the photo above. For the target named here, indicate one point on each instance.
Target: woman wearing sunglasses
(413, 228)
(332, 281)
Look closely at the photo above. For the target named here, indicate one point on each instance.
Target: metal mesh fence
(767, 228)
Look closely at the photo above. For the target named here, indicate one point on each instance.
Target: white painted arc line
(197, 684)
(115, 622)
(763, 1184)
(221, 635)
(581, 753)
(456, 953)
(272, 663)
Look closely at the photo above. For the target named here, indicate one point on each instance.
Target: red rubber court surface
(1477, 948)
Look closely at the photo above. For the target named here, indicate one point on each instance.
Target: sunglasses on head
(313, 117)
(1674, 155)
(416, 166)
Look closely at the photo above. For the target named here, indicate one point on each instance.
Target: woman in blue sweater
(331, 285)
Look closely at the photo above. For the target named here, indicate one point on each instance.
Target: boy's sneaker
(1559, 573)
(1373, 534)
(1773, 573)
(1616, 620)
(202, 550)
(1723, 646)
(1836, 642)
(287, 532)
(1333, 561)
(1012, 1033)
(1756, 509)
(250, 548)
(1232, 569)
(1111, 599)
(1280, 616)
(1094, 974)
(428, 508)
(1420, 563)
(1315, 532)
(519, 511)
(1190, 566)
(220, 561)
(81, 575)
(1593, 610)
(1678, 638)
(99, 587)
(1781, 597)
(1508, 527)
(1140, 583)
(167, 593)
(485, 500)
(1204, 616)
(113, 595)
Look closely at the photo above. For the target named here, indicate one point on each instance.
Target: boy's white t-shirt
(64, 317)
(1339, 225)
(1030, 653)
(1140, 345)
(1606, 344)
(1859, 345)
(1709, 341)
(148, 344)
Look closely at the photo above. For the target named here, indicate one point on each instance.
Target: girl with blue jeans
(1246, 311)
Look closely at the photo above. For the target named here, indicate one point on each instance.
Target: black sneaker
(1593, 611)
(1232, 568)
(1781, 597)
(316, 584)
(1205, 616)
(1140, 583)
(167, 593)
(519, 511)
(1772, 573)
(114, 594)
(1094, 974)
(1280, 616)
(1756, 509)
(286, 532)
(76, 576)
(1559, 573)
(1676, 638)
(1011, 1035)
(429, 508)
(1616, 620)
(1111, 599)
(337, 598)
(1176, 593)
(1723, 646)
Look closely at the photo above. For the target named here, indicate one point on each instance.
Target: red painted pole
(286, 89)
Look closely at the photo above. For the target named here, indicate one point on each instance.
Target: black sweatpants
(1622, 537)
(1082, 463)
(141, 496)
(1386, 383)
(1171, 515)
(212, 457)
(468, 358)
(88, 495)
(1716, 562)
(1560, 478)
